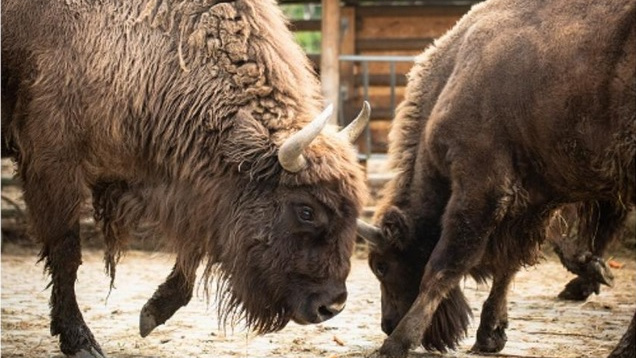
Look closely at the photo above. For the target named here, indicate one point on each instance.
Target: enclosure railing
(364, 61)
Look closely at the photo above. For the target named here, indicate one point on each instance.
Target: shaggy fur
(521, 108)
(170, 113)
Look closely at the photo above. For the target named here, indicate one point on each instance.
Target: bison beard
(520, 109)
(195, 121)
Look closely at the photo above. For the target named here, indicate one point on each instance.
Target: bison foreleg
(53, 194)
(491, 334)
(411, 328)
(171, 295)
(419, 317)
(63, 259)
(458, 251)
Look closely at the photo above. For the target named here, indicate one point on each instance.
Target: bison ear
(395, 228)
(248, 145)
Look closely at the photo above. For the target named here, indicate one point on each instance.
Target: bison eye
(381, 269)
(305, 213)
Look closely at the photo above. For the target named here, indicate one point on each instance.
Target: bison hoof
(147, 322)
(391, 349)
(598, 271)
(380, 354)
(579, 289)
(492, 341)
(77, 341)
(93, 353)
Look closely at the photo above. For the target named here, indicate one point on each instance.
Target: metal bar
(364, 61)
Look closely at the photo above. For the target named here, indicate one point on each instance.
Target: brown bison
(522, 107)
(186, 119)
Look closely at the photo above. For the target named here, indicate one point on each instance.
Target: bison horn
(372, 234)
(290, 154)
(353, 130)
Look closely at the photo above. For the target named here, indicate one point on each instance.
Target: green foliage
(308, 40)
(307, 11)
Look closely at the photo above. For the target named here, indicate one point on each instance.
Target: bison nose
(319, 307)
(388, 325)
(327, 311)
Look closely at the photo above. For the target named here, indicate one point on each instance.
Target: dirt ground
(540, 325)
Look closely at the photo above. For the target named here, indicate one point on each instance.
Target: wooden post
(330, 51)
(348, 47)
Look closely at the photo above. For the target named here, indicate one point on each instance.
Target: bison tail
(450, 322)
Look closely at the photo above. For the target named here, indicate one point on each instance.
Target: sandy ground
(540, 325)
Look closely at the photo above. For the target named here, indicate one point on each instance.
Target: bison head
(398, 256)
(292, 233)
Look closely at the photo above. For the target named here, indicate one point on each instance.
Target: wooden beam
(413, 10)
(416, 45)
(347, 47)
(380, 79)
(330, 50)
(305, 25)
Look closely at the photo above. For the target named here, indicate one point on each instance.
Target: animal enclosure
(541, 325)
(380, 30)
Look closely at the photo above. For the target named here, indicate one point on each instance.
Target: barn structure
(367, 48)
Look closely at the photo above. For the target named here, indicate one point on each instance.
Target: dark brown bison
(186, 119)
(524, 106)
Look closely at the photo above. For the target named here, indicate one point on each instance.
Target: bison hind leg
(579, 289)
(54, 207)
(62, 261)
(592, 226)
(491, 334)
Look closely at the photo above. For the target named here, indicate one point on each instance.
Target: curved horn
(372, 234)
(353, 130)
(290, 154)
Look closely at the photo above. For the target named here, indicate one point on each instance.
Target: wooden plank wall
(393, 30)
(383, 30)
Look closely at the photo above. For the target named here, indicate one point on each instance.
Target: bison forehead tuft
(333, 172)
